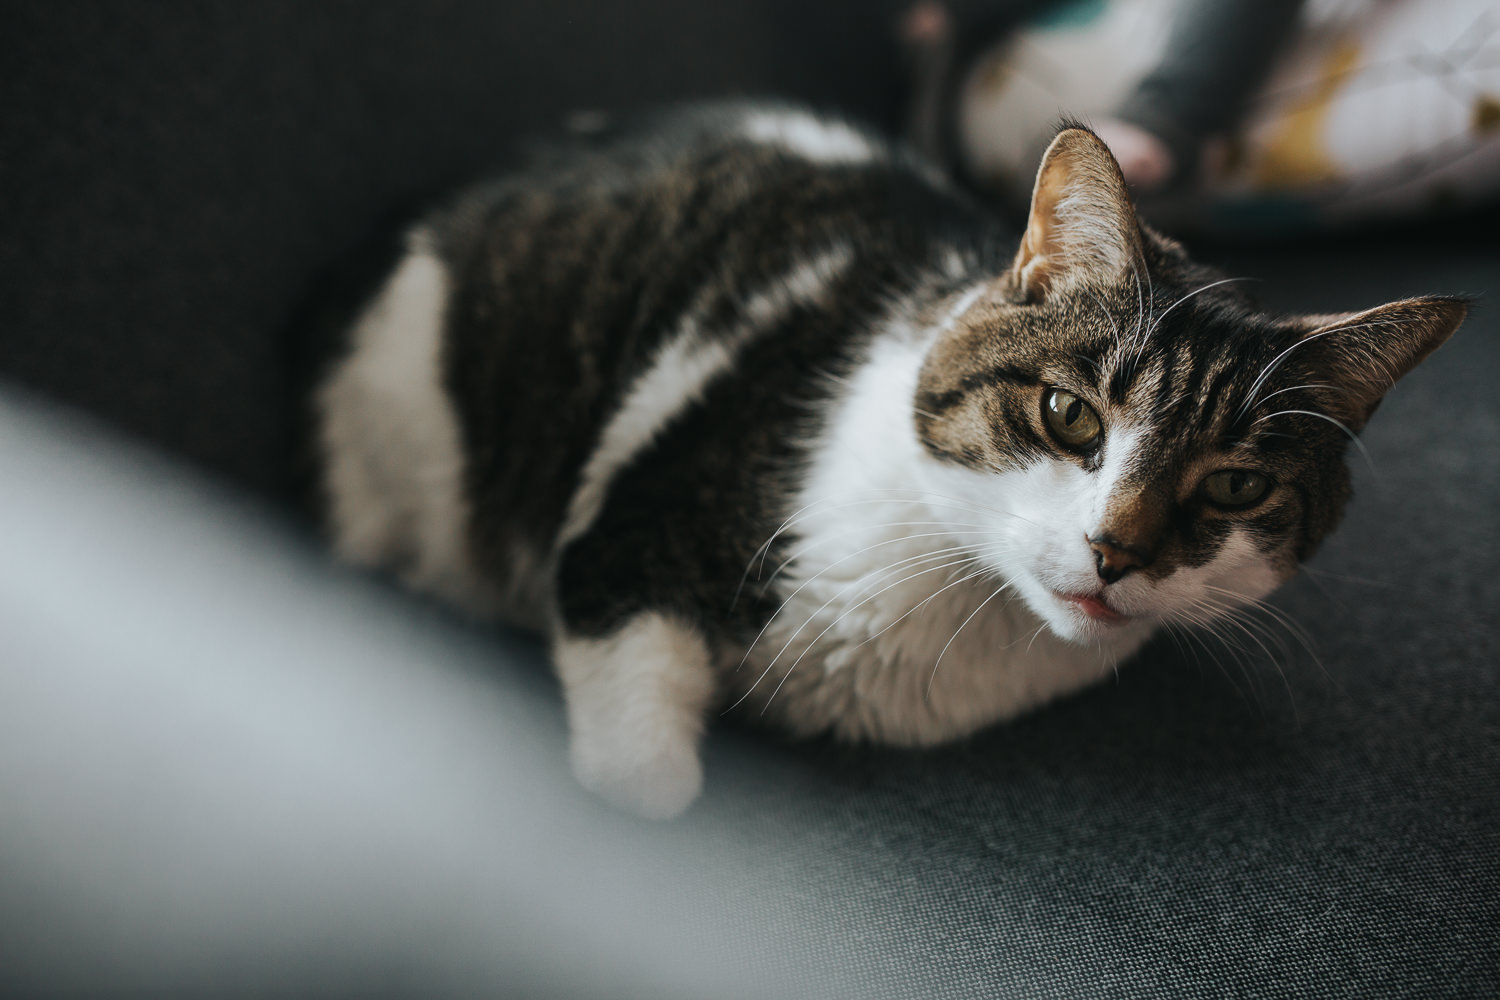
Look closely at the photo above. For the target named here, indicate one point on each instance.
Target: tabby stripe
(938, 402)
(1166, 392)
(680, 372)
(1216, 389)
(999, 374)
(1023, 435)
(701, 235)
(1125, 373)
(1203, 360)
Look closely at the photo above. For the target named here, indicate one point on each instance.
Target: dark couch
(228, 766)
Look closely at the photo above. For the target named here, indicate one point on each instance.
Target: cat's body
(746, 408)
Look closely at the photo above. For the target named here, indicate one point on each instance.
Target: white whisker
(1109, 316)
(1265, 372)
(810, 580)
(824, 607)
(923, 602)
(825, 538)
(996, 592)
(1250, 397)
(1323, 416)
(1174, 305)
(809, 647)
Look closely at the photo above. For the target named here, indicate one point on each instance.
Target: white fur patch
(1121, 455)
(1238, 574)
(637, 702)
(868, 641)
(676, 378)
(393, 461)
(809, 137)
(1047, 511)
(953, 264)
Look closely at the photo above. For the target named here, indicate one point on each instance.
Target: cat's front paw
(636, 701)
(658, 782)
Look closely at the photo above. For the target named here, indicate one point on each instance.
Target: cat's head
(1147, 445)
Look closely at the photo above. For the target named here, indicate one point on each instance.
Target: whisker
(899, 564)
(1232, 619)
(793, 637)
(825, 537)
(1240, 616)
(923, 602)
(1190, 637)
(1210, 624)
(1109, 316)
(1323, 416)
(1196, 291)
(1140, 312)
(1265, 372)
(1293, 627)
(1250, 397)
(809, 647)
(806, 511)
(1142, 337)
(993, 594)
(1309, 385)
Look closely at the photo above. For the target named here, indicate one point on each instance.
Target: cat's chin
(1075, 626)
(1081, 618)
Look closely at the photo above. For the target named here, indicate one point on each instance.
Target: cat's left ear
(1359, 356)
(1082, 228)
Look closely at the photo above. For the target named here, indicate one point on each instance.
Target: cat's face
(1143, 445)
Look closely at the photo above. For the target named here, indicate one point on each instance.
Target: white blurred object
(230, 767)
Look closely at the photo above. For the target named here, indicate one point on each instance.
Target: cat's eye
(1235, 488)
(1072, 421)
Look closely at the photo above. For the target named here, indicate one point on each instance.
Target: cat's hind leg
(636, 700)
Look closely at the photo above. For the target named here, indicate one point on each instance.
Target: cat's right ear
(1082, 228)
(1355, 358)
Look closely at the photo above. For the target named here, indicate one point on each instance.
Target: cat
(747, 408)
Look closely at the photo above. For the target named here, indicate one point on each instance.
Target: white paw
(658, 783)
(636, 702)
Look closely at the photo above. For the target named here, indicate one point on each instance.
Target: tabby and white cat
(745, 407)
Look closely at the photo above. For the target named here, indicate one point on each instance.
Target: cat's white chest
(895, 634)
(895, 622)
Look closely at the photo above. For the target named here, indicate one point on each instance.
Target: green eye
(1072, 421)
(1234, 488)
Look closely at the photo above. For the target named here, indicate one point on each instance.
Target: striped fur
(745, 408)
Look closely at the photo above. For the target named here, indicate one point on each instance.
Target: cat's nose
(1114, 560)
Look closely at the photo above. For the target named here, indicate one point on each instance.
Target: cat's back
(486, 368)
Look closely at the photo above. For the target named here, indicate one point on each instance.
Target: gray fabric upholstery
(227, 766)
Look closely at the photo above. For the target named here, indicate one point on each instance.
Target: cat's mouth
(1095, 607)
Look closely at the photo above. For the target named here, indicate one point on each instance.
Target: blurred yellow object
(1375, 108)
(1293, 154)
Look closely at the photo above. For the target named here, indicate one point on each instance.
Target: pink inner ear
(1082, 227)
